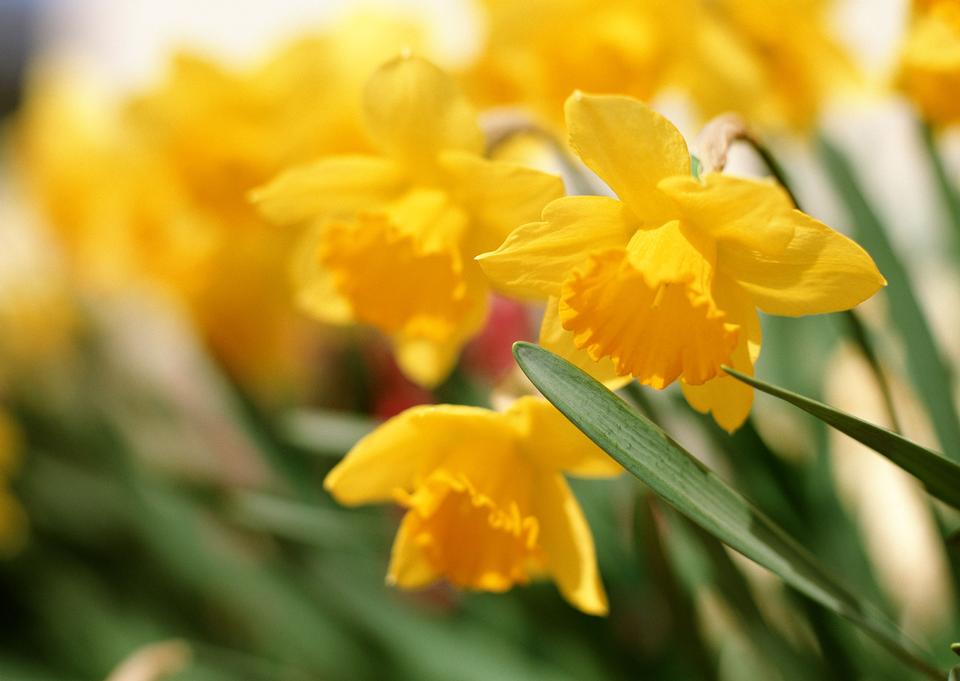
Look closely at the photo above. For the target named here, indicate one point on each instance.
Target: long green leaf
(928, 370)
(694, 490)
(940, 475)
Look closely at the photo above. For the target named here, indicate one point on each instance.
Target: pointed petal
(559, 341)
(414, 110)
(819, 271)
(734, 209)
(535, 259)
(568, 543)
(337, 185)
(499, 196)
(631, 147)
(555, 444)
(402, 451)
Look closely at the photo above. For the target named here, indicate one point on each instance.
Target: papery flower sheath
(664, 282)
(397, 233)
(487, 503)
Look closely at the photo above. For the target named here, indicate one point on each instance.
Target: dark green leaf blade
(685, 483)
(940, 475)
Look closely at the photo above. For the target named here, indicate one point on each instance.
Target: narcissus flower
(665, 282)
(150, 191)
(930, 60)
(398, 232)
(772, 61)
(487, 503)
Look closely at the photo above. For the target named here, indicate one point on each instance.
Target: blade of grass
(928, 369)
(325, 432)
(940, 475)
(685, 483)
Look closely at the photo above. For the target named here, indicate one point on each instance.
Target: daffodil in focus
(664, 282)
(395, 234)
(487, 503)
(930, 61)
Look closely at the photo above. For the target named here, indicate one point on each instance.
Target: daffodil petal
(427, 358)
(559, 341)
(556, 444)
(734, 209)
(631, 147)
(338, 185)
(819, 271)
(568, 544)
(398, 454)
(499, 196)
(536, 258)
(413, 111)
(727, 399)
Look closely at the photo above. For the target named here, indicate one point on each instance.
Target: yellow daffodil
(771, 61)
(795, 61)
(930, 61)
(398, 232)
(487, 503)
(150, 191)
(664, 282)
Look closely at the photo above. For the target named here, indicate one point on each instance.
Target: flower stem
(948, 192)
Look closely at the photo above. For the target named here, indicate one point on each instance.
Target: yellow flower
(150, 191)
(664, 282)
(487, 503)
(794, 59)
(930, 61)
(398, 232)
(772, 61)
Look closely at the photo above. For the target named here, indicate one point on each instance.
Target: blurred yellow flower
(397, 233)
(152, 191)
(664, 282)
(487, 503)
(772, 62)
(798, 61)
(930, 61)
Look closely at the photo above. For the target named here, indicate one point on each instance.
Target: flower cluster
(360, 169)
(661, 283)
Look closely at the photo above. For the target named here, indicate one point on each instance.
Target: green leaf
(928, 370)
(675, 475)
(940, 475)
(325, 432)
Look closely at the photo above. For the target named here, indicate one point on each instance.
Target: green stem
(948, 192)
(859, 335)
